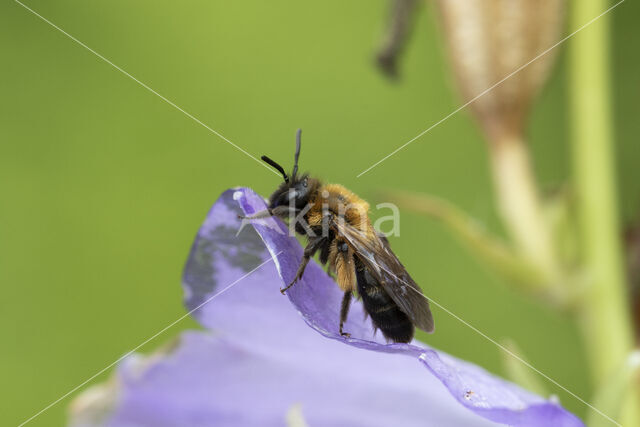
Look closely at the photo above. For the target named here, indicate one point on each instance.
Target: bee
(336, 223)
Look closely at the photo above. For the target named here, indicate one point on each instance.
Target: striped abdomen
(385, 314)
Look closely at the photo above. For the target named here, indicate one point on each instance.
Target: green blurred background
(104, 185)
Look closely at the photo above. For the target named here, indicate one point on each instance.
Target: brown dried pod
(500, 52)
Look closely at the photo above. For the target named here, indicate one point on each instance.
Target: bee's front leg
(279, 211)
(309, 251)
(267, 213)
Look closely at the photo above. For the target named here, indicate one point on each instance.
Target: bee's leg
(280, 211)
(267, 213)
(344, 312)
(309, 251)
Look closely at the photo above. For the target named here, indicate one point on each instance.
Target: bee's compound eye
(343, 247)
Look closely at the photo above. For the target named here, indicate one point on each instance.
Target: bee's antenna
(276, 166)
(295, 159)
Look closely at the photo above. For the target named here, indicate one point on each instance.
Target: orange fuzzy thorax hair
(340, 200)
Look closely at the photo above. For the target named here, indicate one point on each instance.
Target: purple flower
(269, 360)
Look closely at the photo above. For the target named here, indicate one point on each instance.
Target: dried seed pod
(500, 54)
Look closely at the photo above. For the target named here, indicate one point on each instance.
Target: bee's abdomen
(394, 324)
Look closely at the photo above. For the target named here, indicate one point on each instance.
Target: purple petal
(317, 298)
(211, 380)
(259, 362)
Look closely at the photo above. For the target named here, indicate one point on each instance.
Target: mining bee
(337, 224)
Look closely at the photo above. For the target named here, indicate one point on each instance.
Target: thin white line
(501, 347)
(490, 88)
(143, 343)
(145, 86)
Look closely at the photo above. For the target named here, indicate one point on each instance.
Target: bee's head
(295, 190)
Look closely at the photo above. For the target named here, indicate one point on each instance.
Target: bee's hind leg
(344, 312)
(309, 251)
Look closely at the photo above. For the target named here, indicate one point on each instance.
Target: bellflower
(273, 360)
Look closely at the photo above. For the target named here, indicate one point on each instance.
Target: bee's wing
(377, 256)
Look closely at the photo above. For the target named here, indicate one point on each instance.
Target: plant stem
(520, 206)
(605, 318)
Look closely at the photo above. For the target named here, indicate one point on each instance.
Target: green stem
(605, 318)
(517, 270)
(520, 206)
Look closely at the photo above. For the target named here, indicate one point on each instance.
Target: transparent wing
(376, 254)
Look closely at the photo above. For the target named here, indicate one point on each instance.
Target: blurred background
(103, 185)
